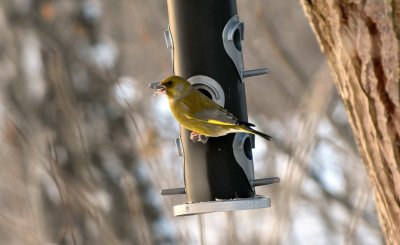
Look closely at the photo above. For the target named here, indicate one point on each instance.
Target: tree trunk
(361, 42)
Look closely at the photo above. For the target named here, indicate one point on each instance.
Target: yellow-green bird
(198, 113)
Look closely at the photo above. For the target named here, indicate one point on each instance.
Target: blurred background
(86, 147)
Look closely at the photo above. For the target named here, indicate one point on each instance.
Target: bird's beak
(159, 87)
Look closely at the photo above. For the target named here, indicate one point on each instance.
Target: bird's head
(173, 86)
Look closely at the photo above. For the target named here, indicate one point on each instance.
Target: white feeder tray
(222, 206)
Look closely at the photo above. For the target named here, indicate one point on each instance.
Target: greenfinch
(198, 113)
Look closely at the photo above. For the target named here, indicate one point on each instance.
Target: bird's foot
(196, 137)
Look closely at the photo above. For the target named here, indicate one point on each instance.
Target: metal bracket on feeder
(242, 157)
(169, 41)
(210, 86)
(232, 36)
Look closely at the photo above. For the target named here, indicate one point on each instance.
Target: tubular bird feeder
(205, 41)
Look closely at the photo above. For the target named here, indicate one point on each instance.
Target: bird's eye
(169, 83)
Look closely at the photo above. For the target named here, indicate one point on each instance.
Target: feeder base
(222, 206)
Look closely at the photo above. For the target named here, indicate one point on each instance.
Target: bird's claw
(196, 137)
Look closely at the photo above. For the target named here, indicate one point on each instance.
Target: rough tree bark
(360, 39)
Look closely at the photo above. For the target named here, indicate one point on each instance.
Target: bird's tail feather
(253, 131)
(246, 124)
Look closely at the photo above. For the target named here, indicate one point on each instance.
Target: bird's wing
(218, 116)
(208, 111)
(200, 107)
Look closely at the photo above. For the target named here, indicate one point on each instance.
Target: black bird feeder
(205, 41)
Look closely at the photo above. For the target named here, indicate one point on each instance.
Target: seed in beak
(159, 87)
(153, 85)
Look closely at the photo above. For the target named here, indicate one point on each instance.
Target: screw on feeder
(255, 72)
(255, 183)
(178, 143)
(173, 191)
(266, 181)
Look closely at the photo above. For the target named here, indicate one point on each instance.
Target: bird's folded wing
(210, 111)
(218, 116)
